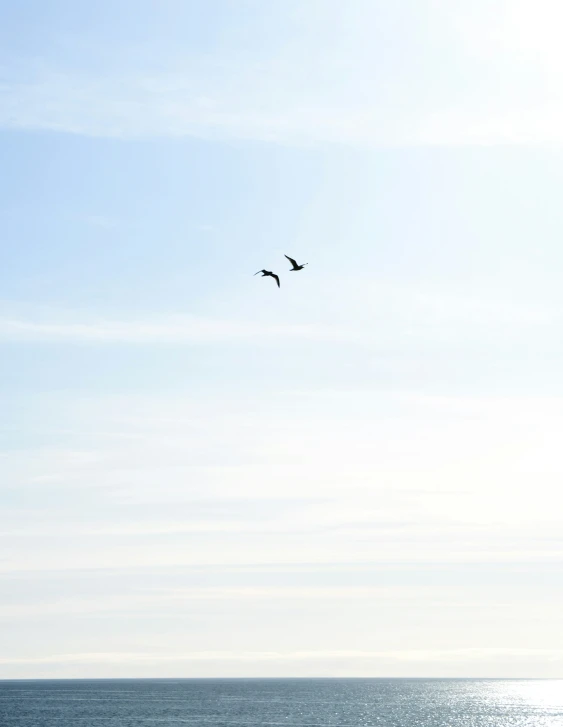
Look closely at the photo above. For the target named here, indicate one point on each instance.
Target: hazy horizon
(357, 474)
(282, 679)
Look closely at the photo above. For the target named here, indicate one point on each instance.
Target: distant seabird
(266, 273)
(295, 265)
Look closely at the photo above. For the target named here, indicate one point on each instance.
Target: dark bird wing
(260, 271)
(276, 278)
(292, 261)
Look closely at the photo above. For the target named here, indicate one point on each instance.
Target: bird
(295, 265)
(265, 273)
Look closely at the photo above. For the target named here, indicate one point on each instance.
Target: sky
(358, 474)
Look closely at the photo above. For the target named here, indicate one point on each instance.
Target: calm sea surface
(302, 703)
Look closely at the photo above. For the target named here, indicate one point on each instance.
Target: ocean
(291, 702)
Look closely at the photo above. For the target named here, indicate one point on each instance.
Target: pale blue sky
(358, 474)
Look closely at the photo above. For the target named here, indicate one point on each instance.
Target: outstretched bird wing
(292, 261)
(276, 278)
(260, 271)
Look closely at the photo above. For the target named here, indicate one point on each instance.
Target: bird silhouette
(266, 273)
(295, 265)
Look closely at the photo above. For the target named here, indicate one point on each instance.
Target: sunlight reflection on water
(294, 703)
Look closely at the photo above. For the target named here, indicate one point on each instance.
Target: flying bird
(266, 273)
(295, 265)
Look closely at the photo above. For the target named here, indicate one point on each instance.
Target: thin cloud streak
(173, 329)
(106, 108)
(422, 655)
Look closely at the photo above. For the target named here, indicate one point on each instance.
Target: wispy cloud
(322, 86)
(138, 107)
(134, 108)
(414, 655)
(172, 329)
